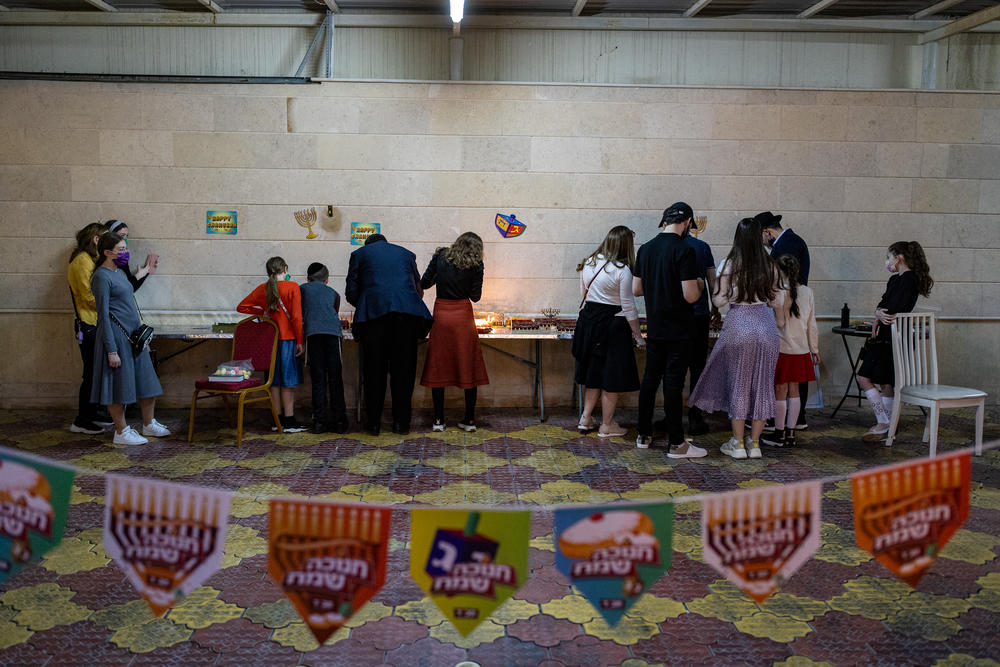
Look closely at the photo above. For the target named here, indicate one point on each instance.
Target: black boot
(789, 437)
(696, 423)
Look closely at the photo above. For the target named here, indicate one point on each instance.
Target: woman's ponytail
(917, 261)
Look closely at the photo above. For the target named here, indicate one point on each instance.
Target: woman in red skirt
(454, 357)
(798, 353)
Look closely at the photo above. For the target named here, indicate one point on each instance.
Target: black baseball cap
(767, 220)
(677, 213)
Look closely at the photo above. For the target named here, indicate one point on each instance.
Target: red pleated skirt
(454, 356)
(794, 368)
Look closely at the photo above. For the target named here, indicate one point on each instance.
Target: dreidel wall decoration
(469, 563)
(509, 226)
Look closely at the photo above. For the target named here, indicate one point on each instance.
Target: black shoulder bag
(140, 338)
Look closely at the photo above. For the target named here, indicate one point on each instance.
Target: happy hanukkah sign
(220, 222)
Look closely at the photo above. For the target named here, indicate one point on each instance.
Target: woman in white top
(799, 352)
(606, 329)
(739, 375)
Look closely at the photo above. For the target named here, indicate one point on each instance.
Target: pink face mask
(889, 266)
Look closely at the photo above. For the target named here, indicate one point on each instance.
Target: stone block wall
(851, 171)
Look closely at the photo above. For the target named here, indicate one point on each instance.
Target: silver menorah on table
(307, 218)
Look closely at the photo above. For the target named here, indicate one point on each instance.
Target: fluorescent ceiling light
(457, 10)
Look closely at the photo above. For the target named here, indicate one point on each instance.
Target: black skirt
(877, 364)
(610, 364)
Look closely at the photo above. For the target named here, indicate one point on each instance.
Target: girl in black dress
(911, 278)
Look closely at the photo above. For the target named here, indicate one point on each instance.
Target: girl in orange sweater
(281, 301)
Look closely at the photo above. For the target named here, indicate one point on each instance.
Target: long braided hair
(790, 268)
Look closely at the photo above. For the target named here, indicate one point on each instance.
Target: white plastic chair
(914, 352)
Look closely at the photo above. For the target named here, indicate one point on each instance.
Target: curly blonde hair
(466, 252)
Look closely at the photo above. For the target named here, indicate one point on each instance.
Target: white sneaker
(687, 450)
(155, 429)
(643, 441)
(129, 437)
(753, 448)
(734, 448)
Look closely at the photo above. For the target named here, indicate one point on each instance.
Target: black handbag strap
(72, 299)
(128, 334)
(586, 290)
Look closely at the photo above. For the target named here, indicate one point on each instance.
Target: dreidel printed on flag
(759, 538)
(468, 562)
(905, 514)
(167, 538)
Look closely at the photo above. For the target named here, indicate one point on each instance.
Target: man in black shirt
(666, 274)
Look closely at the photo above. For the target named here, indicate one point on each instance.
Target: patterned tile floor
(843, 608)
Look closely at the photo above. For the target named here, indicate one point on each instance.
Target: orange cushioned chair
(255, 339)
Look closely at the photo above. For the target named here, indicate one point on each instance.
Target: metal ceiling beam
(332, 6)
(314, 19)
(935, 9)
(982, 17)
(207, 4)
(695, 8)
(816, 9)
(578, 7)
(103, 6)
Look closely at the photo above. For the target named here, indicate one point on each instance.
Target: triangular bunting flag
(167, 538)
(613, 555)
(329, 558)
(469, 563)
(905, 514)
(34, 498)
(759, 538)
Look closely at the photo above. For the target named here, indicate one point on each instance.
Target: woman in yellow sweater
(81, 266)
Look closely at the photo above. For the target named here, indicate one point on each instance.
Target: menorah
(699, 224)
(307, 218)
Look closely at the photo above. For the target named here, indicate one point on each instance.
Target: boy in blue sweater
(321, 326)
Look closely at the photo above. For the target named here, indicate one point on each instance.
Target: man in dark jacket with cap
(390, 317)
(787, 242)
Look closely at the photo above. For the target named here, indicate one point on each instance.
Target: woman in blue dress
(121, 377)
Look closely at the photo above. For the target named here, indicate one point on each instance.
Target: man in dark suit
(390, 318)
(786, 242)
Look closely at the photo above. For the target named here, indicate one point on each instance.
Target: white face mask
(890, 265)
